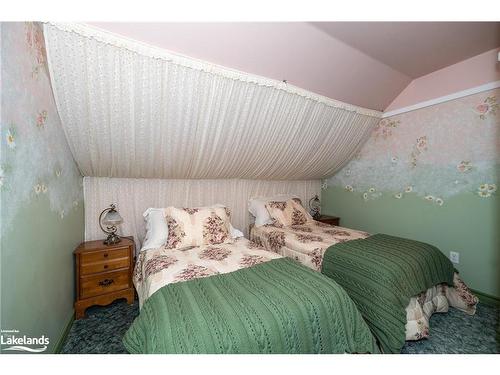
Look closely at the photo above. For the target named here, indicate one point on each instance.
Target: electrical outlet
(454, 257)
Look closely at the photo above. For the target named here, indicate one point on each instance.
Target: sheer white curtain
(134, 196)
(150, 128)
(131, 110)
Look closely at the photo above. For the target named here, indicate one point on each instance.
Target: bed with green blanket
(381, 273)
(278, 306)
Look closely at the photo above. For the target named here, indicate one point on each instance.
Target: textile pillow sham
(199, 226)
(257, 207)
(288, 213)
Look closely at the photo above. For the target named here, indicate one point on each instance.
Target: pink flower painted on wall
(36, 45)
(464, 166)
(442, 151)
(422, 143)
(420, 146)
(482, 109)
(384, 128)
(41, 118)
(489, 106)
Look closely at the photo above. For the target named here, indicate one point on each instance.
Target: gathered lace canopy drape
(131, 110)
(149, 128)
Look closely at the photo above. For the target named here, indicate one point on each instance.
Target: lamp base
(112, 239)
(315, 215)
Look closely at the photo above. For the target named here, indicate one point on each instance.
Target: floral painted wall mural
(434, 152)
(35, 158)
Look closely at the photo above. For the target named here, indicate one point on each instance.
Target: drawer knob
(105, 255)
(106, 282)
(105, 266)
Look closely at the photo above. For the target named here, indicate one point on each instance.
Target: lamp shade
(112, 217)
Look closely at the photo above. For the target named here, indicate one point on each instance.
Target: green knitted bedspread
(275, 307)
(381, 273)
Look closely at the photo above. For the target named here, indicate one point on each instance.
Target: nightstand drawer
(104, 255)
(103, 273)
(103, 283)
(113, 264)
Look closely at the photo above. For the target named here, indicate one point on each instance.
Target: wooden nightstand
(103, 273)
(332, 220)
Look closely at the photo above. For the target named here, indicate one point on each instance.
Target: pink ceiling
(417, 48)
(476, 71)
(298, 52)
(362, 63)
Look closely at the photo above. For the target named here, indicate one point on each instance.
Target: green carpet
(453, 332)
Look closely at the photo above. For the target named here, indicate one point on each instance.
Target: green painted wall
(41, 194)
(465, 223)
(37, 270)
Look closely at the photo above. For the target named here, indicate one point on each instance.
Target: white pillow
(156, 229)
(235, 233)
(257, 207)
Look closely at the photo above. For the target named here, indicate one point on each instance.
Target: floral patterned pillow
(188, 227)
(288, 213)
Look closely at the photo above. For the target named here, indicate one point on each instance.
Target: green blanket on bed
(381, 273)
(275, 307)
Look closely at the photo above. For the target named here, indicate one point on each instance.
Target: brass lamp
(111, 219)
(315, 207)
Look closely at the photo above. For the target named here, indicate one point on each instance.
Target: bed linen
(240, 298)
(381, 273)
(308, 243)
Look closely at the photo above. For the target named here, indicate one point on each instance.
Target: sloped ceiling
(362, 63)
(299, 52)
(132, 110)
(417, 48)
(136, 111)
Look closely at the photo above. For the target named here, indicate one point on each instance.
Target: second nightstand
(332, 220)
(103, 274)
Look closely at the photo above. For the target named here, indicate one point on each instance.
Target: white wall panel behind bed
(134, 196)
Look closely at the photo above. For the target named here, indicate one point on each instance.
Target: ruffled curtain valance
(132, 110)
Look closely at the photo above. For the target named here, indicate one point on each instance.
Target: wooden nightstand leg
(130, 297)
(79, 313)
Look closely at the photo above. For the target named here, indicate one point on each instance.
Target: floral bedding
(288, 213)
(197, 226)
(271, 304)
(307, 244)
(156, 268)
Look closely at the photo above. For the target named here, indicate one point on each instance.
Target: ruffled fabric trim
(144, 49)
